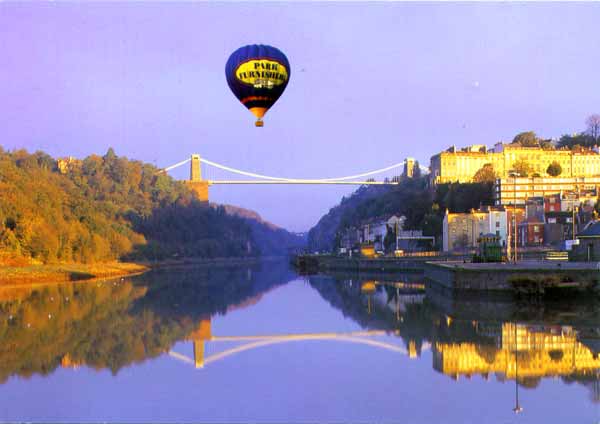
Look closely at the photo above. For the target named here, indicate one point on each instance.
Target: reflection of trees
(88, 322)
(113, 324)
(203, 292)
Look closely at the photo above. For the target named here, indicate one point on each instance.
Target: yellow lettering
(269, 72)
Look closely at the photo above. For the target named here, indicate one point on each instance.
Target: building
(558, 227)
(588, 248)
(454, 165)
(462, 230)
(65, 165)
(534, 208)
(413, 240)
(372, 231)
(509, 191)
(531, 232)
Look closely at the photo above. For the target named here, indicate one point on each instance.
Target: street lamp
(514, 175)
(518, 408)
(574, 209)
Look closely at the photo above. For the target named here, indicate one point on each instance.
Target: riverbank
(61, 273)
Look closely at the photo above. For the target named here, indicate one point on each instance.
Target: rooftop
(591, 231)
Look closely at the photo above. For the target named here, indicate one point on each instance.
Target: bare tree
(593, 126)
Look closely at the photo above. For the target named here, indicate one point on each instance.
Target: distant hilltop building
(66, 164)
(461, 165)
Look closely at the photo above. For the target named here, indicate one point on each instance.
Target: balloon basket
(259, 123)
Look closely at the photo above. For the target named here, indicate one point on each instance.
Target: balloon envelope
(257, 75)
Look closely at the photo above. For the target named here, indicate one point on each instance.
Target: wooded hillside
(105, 208)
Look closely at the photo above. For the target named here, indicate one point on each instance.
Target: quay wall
(461, 277)
(330, 263)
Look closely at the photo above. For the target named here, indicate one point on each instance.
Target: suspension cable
(183, 162)
(267, 177)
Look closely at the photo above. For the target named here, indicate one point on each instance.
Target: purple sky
(371, 84)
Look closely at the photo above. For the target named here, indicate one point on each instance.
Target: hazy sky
(371, 83)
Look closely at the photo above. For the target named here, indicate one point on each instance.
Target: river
(263, 344)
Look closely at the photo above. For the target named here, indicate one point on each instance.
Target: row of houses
(548, 220)
(461, 165)
(381, 230)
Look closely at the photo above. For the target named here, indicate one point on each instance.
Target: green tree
(485, 174)
(527, 139)
(547, 145)
(570, 141)
(522, 167)
(554, 169)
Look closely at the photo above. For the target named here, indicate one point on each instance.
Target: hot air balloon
(257, 75)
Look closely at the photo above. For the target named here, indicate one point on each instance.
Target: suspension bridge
(203, 335)
(200, 185)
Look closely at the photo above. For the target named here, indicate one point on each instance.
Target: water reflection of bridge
(203, 334)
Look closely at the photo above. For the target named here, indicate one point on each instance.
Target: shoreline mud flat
(61, 273)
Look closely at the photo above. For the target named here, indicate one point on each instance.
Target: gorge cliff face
(421, 205)
(271, 239)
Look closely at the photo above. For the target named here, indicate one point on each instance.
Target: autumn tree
(527, 139)
(485, 174)
(554, 169)
(547, 145)
(522, 167)
(108, 208)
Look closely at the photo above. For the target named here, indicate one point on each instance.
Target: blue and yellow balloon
(257, 75)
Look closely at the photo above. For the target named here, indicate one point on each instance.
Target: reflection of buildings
(547, 351)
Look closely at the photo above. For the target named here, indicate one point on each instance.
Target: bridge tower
(196, 183)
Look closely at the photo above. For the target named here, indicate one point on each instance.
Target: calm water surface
(264, 344)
